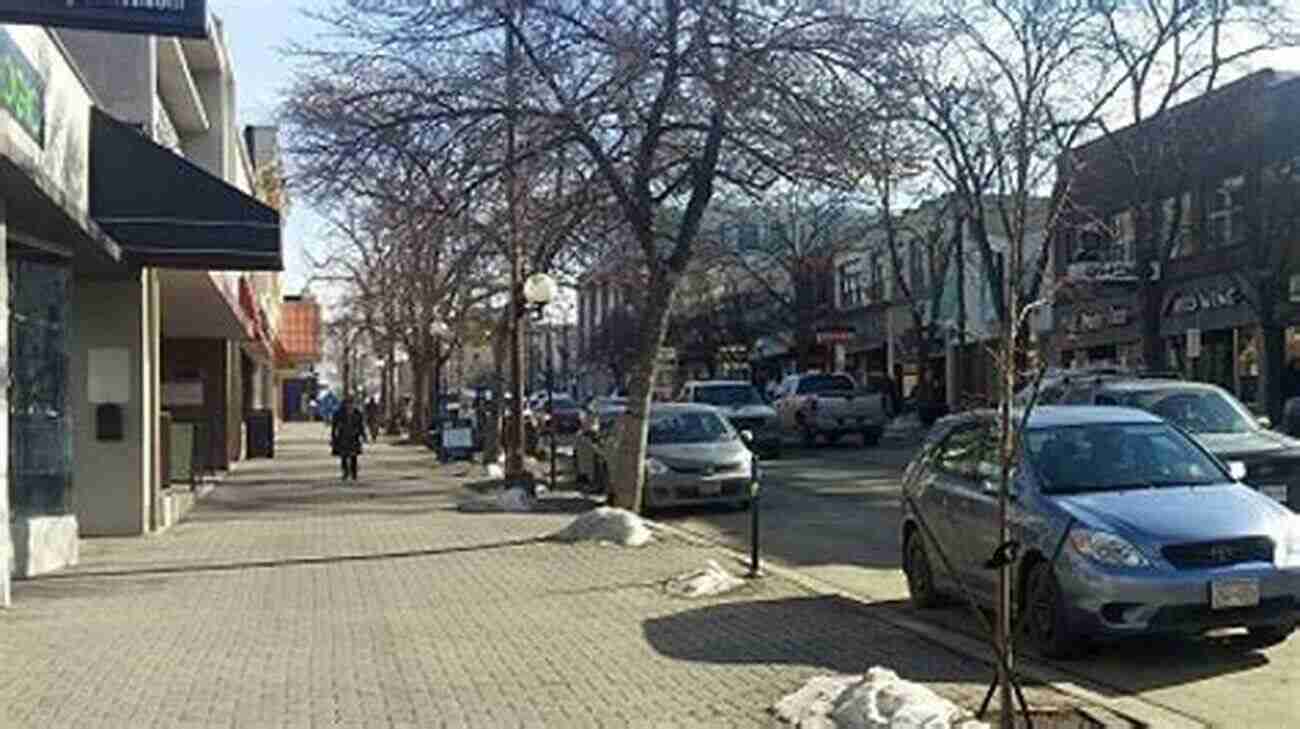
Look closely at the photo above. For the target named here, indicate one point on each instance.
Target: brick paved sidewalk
(289, 599)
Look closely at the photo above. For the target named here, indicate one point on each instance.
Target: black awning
(167, 212)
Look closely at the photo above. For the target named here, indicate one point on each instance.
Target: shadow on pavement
(1145, 663)
(826, 632)
(276, 563)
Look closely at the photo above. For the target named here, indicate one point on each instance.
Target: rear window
(814, 384)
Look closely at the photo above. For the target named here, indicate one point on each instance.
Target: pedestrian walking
(372, 417)
(347, 432)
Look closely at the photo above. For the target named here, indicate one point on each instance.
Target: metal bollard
(754, 491)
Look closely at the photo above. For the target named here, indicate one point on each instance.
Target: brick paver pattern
(291, 599)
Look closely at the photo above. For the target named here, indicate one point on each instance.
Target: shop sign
(187, 18)
(1112, 271)
(22, 89)
(1205, 299)
(1117, 315)
(835, 336)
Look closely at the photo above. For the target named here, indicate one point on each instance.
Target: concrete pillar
(6, 538)
(114, 345)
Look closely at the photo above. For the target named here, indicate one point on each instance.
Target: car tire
(833, 438)
(1045, 623)
(744, 505)
(1266, 636)
(870, 438)
(809, 438)
(920, 576)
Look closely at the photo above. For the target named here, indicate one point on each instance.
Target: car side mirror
(1237, 470)
(747, 437)
(1265, 422)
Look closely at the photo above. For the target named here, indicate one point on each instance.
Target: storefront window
(40, 442)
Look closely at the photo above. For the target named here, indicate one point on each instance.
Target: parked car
(693, 456)
(559, 415)
(832, 406)
(1126, 526)
(597, 424)
(743, 406)
(1209, 413)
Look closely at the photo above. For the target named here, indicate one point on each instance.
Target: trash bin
(260, 427)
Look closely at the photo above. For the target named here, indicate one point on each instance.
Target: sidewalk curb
(1126, 706)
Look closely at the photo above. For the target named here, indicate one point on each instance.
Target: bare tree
(659, 103)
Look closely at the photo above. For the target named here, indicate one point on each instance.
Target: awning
(167, 212)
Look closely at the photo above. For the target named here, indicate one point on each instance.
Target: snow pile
(712, 580)
(511, 500)
(606, 524)
(878, 700)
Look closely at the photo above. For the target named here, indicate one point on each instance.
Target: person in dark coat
(347, 431)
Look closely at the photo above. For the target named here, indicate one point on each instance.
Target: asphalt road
(832, 513)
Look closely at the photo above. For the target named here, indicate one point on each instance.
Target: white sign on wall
(108, 375)
(182, 394)
(1193, 343)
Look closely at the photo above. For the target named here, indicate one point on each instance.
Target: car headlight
(1287, 551)
(655, 467)
(1106, 548)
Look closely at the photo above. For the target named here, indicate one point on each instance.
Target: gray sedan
(693, 456)
(1125, 525)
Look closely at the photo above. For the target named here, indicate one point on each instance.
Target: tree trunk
(1153, 345)
(1271, 391)
(627, 479)
(419, 377)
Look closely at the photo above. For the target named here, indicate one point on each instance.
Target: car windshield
(1117, 456)
(1198, 410)
(689, 427)
(728, 395)
(825, 383)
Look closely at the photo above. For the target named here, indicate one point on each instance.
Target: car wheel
(920, 578)
(1045, 622)
(833, 438)
(870, 438)
(744, 505)
(1264, 636)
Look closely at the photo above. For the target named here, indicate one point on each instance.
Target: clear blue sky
(256, 31)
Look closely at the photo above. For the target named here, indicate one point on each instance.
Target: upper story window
(1177, 227)
(852, 292)
(1226, 216)
(916, 266)
(877, 279)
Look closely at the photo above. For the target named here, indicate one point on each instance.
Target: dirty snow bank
(511, 500)
(878, 700)
(712, 580)
(607, 524)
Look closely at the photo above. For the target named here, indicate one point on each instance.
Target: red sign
(835, 336)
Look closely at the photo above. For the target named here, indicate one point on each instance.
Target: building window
(877, 292)
(1177, 227)
(852, 294)
(747, 237)
(916, 267)
(40, 435)
(1123, 237)
(1227, 214)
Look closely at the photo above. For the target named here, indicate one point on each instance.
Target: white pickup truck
(830, 405)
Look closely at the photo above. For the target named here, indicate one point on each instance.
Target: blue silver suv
(1125, 525)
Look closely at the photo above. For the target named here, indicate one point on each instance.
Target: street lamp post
(539, 289)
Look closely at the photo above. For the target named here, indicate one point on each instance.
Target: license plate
(710, 489)
(1235, 593)
(1277, 492)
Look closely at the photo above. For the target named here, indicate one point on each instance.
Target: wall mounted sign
(1112, 271)
(22, 89)
(182, 393)
(835, 336)
(187, 18)
(1204, 299)
(1093, 320)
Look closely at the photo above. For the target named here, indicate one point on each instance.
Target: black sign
(22, 88)
(188, 18)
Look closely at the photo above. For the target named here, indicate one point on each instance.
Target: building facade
(1195, 258)
(125, 191)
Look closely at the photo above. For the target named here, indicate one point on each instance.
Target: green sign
(22, 88)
